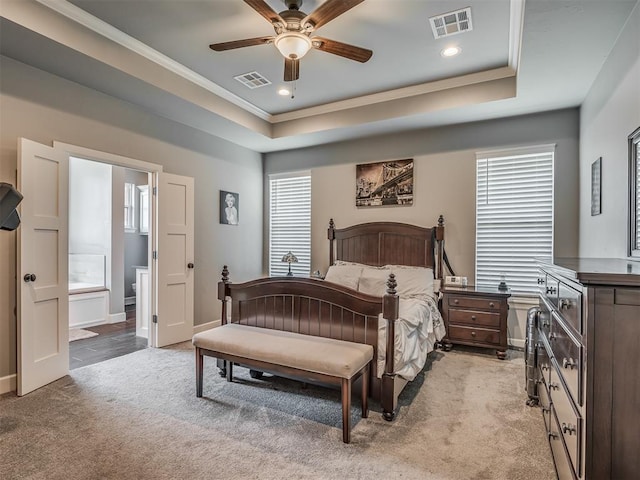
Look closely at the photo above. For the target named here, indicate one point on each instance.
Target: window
(129, 207)
(634, 194)
(514, 216)
(290, 223)
(144, 209)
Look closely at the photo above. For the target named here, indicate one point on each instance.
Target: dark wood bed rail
(388, 243)
(312, 307)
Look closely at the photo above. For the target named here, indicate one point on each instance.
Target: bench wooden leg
(229, 370)
(199, 365)
(365, 392)
(346, 410)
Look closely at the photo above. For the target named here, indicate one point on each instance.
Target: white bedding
(418, 327)
(419, 323)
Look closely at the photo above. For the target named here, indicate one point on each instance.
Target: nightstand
(477, 317)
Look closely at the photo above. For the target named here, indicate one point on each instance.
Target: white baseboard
(8, 383)
(129, 300)
(117, 317)
(206, 326)
(516, 342)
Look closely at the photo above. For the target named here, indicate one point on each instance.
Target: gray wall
(608, 115)
(44, 108)
(136, 244)
(444, 179)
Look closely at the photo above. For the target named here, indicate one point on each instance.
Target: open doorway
(109, 253)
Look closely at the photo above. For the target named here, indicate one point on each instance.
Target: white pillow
(413, 281)
(345, 275)
(373, 281)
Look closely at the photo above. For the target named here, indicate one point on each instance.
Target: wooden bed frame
(314, 307)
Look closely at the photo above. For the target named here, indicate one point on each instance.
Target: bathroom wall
(136, 248)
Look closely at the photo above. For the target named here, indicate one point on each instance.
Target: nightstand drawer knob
(456, 301)
(473, 317)
(473, 334)
(491, 304)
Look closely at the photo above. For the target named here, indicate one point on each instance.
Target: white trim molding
(8, 383)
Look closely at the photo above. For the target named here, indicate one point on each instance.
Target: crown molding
(108, 31)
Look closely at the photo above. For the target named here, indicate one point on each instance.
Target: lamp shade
(292, 44)
(290, 258)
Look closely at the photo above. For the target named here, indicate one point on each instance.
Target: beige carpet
(137, 417)
(80, 334)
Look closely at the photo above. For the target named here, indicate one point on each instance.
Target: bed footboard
(314, 307)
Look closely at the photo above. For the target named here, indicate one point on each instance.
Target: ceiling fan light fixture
(292, 44)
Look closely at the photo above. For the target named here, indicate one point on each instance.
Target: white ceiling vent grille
(451, 23)
(252, 80)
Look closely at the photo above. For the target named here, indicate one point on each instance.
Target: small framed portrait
(229, 208)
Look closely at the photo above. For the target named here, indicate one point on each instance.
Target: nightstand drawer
(472, 318)
(471, 302)
(470, 334)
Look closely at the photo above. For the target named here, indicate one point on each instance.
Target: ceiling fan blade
(247, 42)
(328, 11)
(343, 49)
(265, 10)
(291, 69)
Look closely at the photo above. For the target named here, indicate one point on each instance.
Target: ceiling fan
(293, 33)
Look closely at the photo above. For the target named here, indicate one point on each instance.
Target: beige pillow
(413, 280)
(373, 281)
(345, 275)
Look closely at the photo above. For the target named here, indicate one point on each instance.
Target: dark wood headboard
(388, 243)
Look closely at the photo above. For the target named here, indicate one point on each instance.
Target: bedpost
(390, 309)
(223, 293)
(439, 236)
(331, 235)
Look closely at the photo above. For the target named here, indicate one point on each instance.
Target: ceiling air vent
(451, 23)
(252, 80)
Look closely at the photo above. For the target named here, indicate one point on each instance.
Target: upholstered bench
(303, 357)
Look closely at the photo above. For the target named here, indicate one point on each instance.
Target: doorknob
(29, 277)
(190, 265)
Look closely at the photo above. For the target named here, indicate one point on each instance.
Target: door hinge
(155, 319)
(155, 190)
(155, 255)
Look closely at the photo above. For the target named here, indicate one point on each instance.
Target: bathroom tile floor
(113, 340)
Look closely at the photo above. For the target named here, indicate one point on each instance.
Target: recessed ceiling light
(450, 51)
(283, 92)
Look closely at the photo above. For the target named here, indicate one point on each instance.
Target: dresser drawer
(472, 318)
(545, 405)
(567, 353)
(474, 302)
(570, 306)
(474, 335)
(544, 320)
(563, 466)
(569, 422)
(544, 362)
(550, 291)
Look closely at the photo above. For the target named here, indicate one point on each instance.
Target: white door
(42, 281)
(175, 259)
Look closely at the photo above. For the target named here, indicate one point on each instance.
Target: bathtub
(88, 306)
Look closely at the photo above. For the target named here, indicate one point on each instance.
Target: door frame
(131, 163)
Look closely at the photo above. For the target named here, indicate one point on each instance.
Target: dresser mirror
(634, 194)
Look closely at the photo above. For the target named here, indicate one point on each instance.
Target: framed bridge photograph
(384, 183)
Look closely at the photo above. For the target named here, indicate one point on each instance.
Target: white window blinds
(514, 216)
(290, 223)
